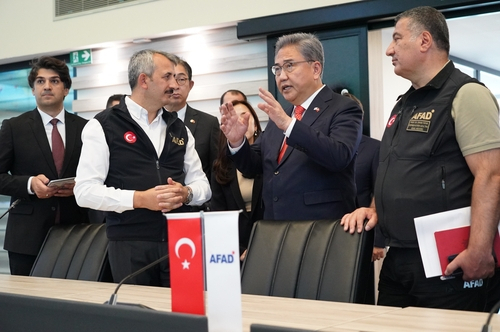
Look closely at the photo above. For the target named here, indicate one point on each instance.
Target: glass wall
(492, 81)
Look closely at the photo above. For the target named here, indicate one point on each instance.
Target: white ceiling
(476, 39)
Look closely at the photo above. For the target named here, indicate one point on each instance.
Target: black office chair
(77, 252)
(308, 259)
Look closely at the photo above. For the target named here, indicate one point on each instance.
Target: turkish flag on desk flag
(186, 262)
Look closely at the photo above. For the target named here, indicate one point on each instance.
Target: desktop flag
(186, 262)
(222, 264)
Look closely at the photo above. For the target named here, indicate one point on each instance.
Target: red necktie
(57, 147)
(299, 110)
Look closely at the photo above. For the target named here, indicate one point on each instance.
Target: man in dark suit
(203, 126)
(33, 151)
(307, 153)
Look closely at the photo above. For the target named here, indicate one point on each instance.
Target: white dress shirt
(90, 190)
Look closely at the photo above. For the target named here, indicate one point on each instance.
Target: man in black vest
(440, 151)
(138, 162)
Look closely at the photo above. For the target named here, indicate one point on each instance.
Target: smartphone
(60, 182)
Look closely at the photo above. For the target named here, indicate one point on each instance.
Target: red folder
(453, 241)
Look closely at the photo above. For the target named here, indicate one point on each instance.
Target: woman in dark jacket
(232, 190)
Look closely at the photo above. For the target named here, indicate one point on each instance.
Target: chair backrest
(308, 259)
(76, 251)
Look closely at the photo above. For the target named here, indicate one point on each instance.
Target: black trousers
(403, 283)
(21, 264)
(126, 257)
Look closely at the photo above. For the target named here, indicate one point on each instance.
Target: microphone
(114, 296)
(11, 207)
(486, 326)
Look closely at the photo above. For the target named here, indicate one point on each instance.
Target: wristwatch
(189, 197)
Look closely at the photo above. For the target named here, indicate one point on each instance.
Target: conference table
(297, 313)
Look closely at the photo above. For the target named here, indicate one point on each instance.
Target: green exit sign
(82, 57)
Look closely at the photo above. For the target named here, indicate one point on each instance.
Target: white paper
(426, 226)
(222, 262)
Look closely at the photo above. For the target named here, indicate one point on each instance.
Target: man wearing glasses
(307, 153)
(203, 126)
(139, 161)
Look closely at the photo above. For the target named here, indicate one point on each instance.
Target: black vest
(421, 170)
(134, 165)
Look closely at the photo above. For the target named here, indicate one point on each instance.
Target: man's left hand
(273, 108)
(474, 264)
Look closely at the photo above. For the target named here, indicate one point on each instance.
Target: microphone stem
(11, 207)
(114, 296)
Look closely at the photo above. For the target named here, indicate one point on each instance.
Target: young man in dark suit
(34, 151)
(307, 153)
(203, 126)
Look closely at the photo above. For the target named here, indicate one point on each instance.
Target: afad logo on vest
(130, 137)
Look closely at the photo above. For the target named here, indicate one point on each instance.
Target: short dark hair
(48, 62)
(233, 92)
(186, 66)
(113, 98)
(429, 19)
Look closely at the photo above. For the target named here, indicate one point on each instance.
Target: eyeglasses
(181, 80)
(288, 66)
